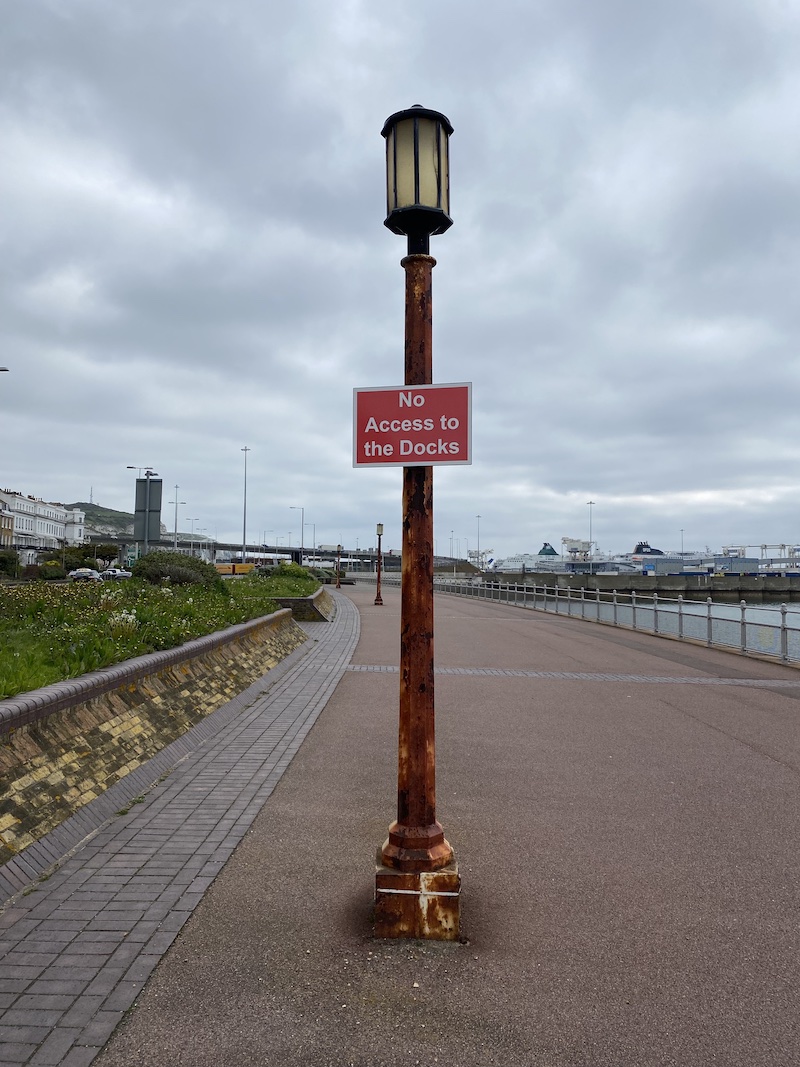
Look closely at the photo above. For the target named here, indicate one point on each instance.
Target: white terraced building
(38, 524)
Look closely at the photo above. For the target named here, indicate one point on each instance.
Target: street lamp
(275, 553)
(293, 507)
(480, 565)
(378, 597)
(191, 549)
(313, 526)
(176, 502)
(338, 566)
(244, 512)
(414, 895)
(591, 554)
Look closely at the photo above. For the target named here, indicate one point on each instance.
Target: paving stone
(100, 1028)
(14, 1053)
(11, 1032)
(80, 1057)
(31, 1017)
(83, 1011)
(45, 1001)
(13, 985)
(46, 985)
(124, 995)
(55, 1047)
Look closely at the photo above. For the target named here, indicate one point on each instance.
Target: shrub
(158, 567)
(9, 562)
(291, 570)
(290, 579)
(52, 570)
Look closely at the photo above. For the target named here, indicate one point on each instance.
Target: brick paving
(79, 943)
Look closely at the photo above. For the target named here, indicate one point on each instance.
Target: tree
(107, 552)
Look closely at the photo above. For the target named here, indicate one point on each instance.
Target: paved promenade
(624, 809)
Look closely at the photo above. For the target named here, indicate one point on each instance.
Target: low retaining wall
(65, 744)
(316, 608)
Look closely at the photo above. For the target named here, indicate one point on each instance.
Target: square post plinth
(421, 904)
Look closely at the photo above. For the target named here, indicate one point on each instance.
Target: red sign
(412, 425)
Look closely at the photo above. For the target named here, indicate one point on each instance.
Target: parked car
(113, 574)
(85, 574)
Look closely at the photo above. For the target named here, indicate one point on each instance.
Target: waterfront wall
(725, 588)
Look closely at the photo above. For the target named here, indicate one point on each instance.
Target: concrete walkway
(624, 810)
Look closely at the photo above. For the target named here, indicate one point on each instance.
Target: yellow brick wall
(50, 769)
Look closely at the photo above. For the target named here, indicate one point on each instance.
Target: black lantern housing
(417, 175)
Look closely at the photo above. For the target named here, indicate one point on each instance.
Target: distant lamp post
(480, 565)
(176, 502)
(191, 549)
(417, 885)
(378, 597)
(244, 510)
(591, 554)
(293, 507)
(338, 566)
(313, 526)
(275, 553)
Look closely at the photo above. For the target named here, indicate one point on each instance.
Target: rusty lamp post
(378, 597)
(417, 887)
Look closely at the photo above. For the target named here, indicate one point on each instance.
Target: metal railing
(746, 628)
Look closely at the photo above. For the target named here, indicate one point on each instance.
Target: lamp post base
(418, 904)
(414, 849)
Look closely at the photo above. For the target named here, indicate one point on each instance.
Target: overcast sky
(193, 260)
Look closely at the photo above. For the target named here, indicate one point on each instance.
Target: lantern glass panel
(390, 197)
(444, 165)
(404, 163)
(428, 163)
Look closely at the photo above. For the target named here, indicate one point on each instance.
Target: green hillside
(105, 520)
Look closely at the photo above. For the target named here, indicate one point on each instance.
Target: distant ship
(577, 556)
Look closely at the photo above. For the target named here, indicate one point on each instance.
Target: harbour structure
(577, 557)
